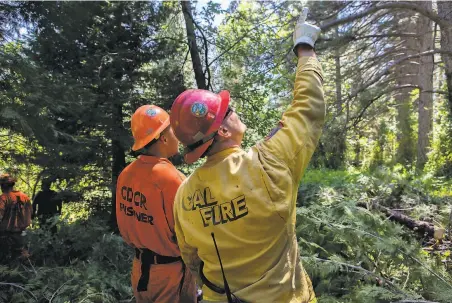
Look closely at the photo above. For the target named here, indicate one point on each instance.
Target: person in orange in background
(15, 217)
(144, 208)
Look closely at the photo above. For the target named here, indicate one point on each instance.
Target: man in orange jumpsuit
(144, 207)
(15, 217)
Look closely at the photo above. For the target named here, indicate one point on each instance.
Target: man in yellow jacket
(247, 200)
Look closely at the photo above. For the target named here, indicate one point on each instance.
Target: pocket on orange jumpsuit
(165, 284)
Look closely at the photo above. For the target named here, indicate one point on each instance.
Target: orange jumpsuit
(15, 217)
(144, 209)
(15, 211)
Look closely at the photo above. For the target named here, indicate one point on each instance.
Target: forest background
(72, 73)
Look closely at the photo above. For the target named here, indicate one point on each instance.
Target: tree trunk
(338, 78)
(449, 92)
(425, 108)
(357, 150)
(338, 156)
(406, 74)
(445, 12)
(421, 227)
(337, 147)
(379, 146)
(194, 51)
(118, 157)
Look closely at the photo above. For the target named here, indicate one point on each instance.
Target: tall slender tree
(193, 45)
(425, 72)
(407, 79)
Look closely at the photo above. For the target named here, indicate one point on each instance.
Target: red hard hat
(196, 116)
(147, 123)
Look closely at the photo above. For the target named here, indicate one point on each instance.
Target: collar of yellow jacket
(215, 158)
(152, 159)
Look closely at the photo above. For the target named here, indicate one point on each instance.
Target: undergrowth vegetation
(356, 255)
(352, 254)
(83, 262)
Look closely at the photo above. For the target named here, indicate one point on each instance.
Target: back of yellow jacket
(248, 200)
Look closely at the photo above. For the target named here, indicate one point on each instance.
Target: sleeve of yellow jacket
(299, 130)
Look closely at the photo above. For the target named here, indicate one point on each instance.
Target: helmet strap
(197, 144)
(208, 149)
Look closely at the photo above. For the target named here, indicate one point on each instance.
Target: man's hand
(305, 34)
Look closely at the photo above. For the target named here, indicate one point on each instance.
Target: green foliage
(260, 82)
(83, 262)
(71, 82)
(351, 254)
(440, 159)
(355, 255)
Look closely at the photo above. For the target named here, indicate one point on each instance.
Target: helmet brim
(225, 99)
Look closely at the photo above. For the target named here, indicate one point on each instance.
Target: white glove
(305, 32)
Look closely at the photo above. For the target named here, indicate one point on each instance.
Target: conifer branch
(21, 287)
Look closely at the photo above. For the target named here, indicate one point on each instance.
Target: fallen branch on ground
(421, 227)
(19, 286)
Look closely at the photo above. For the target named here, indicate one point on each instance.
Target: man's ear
(224, 132)
(163, 139)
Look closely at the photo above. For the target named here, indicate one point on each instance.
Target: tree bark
(337, 147)
(357, 150)
(194, 51)
(405, 76)
(339, 104)
(118, 157)
(445, 12)
(425, 107)
(338, 78)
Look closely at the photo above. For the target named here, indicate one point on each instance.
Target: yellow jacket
(248, 200)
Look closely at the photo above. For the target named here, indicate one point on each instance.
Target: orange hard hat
(196, 116)
(148, 122)
(7, 179)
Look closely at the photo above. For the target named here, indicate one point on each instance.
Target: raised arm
(295, 138)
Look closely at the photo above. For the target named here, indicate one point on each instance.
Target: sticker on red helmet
(199, 109)
(151, 112)
(210, 116)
